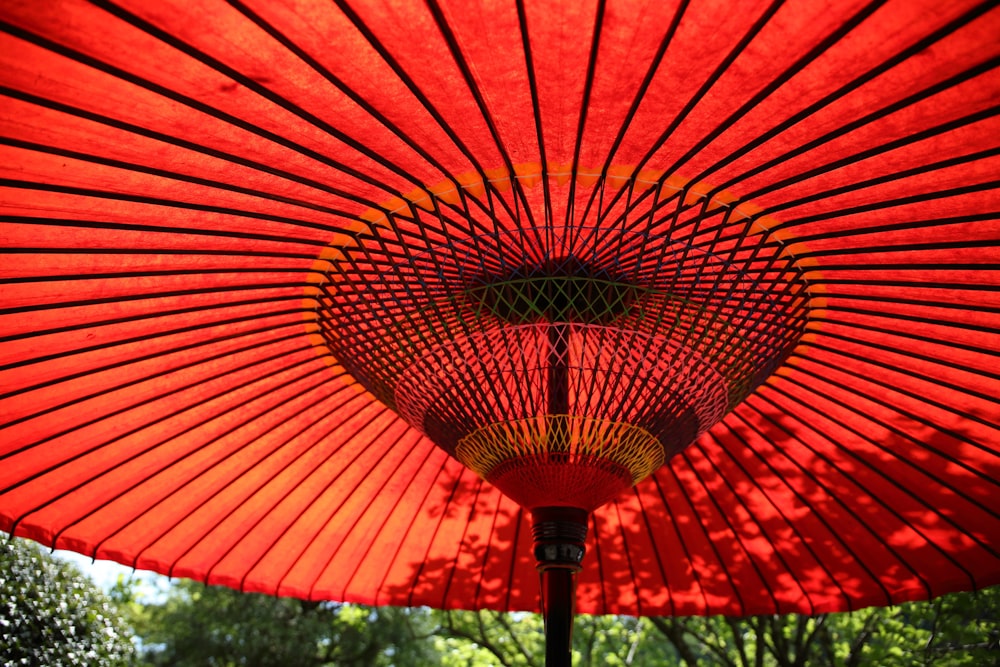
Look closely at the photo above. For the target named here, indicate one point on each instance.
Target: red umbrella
(566, 243)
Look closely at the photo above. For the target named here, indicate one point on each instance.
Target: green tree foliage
(953, 630)
(199, 625)
(51, 614)
(961, 629)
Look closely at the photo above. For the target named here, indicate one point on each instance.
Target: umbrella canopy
(206, 205)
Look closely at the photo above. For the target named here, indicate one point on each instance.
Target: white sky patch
(105, 573)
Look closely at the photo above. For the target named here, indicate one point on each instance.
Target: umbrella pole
(559, 532)
(559, 535)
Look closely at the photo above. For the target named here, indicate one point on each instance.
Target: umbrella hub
(561, 363)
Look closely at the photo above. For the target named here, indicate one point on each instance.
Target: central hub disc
(563, 364)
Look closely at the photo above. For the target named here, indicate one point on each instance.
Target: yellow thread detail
(587, 178)
(500, 178)
(472, 183)
(618, 176)
(421, 198)
(376, 217)
(446, 192)
(528, 174)
(566, 437)
(560, 174)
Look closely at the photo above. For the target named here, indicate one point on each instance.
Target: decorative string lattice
(561, 459)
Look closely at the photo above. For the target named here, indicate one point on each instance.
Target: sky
(105, 573)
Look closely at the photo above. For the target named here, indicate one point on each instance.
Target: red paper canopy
(177, 180)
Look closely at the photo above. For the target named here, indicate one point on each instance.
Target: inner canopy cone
(562, 363)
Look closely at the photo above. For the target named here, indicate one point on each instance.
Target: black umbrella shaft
(558, 603)
(559, 535)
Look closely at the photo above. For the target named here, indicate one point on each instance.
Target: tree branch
(713, 646)
(502, 618)
(779, 643)
(934, 631)
(854, 656)
(799, 641)
(637, 634)
(481, 641)
(818, 626)
(676, 637)
(591, 641)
